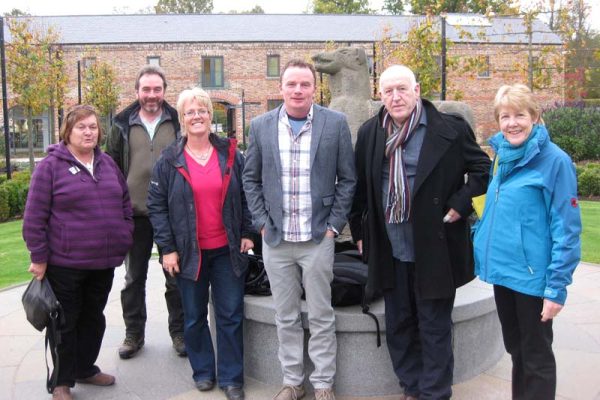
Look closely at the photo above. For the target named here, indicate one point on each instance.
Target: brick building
(237, 58)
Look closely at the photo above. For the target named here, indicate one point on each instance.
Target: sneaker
(290, 392)
(205, 385)
(234, 392)
(324, 394)
(62, 393)
(179, 346)
(100, 379)
(130, 347)
(408, 397)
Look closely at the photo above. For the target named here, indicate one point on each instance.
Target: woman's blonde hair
(518, 97)
(187, 96)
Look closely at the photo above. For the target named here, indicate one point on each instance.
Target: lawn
(590, 239)
(14, 257)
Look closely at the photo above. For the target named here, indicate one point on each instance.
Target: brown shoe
(290, 392)
(62, 393)
(324, 394)
(100, 379)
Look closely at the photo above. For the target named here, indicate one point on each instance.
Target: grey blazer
(332, 174)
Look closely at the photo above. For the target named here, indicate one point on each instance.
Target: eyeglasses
(193, 113)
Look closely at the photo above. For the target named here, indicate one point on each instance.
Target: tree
(437, 7)
(256, 10)
(101, 90)
(341, 7)
(184, 6)
(395, 7)
(35, 76)
(15, 12)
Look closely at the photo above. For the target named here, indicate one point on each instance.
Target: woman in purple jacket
(78, 227)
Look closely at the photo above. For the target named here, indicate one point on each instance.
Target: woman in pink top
(202, 227)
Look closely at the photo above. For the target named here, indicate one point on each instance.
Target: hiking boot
(179, 346)
(62, 393)
(130, 347)
(100, 379)
(324, 394)
(290, 392)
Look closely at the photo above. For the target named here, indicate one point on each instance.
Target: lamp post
(4, 100)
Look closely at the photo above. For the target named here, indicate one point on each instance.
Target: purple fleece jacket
(75, 220)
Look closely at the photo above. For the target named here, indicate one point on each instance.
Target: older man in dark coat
(409, 217)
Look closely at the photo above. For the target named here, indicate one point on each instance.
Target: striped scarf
(398, 205)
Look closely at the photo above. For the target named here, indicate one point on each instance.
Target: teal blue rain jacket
(528, 238)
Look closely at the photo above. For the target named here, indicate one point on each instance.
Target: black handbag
(40, 303)
(257, 281)
(43, 310)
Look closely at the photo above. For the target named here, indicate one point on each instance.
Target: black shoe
(131, 345)
(233, 392)
(205, 386)
(179, 346)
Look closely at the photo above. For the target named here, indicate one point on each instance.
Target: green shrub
(13, 195)
(4, 204)
(588, 180)
(576, 130)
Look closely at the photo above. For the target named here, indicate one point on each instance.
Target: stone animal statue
(349, 84)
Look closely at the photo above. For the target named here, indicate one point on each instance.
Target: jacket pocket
(328, 200)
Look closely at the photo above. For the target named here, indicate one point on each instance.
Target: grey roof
(175, 28)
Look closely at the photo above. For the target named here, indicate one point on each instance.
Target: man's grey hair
(395, 70)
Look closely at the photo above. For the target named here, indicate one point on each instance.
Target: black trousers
(83, 295)
(133, 295)
(528, 340)
(419, 337)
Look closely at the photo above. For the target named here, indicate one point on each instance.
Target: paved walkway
(158, 374)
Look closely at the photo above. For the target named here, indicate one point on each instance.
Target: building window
(212, 71)
(88, 62)
(153, 60)
(483, 67)
(273, 66)
(370, 64)
(273, 104)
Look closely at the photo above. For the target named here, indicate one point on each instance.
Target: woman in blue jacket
(202, 227)
(527, 242)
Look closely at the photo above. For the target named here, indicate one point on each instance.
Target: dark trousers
(133, 295)
(528, 340)
(83, 295)
(419, 337)
(227, 291)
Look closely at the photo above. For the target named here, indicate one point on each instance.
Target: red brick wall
(245, 69)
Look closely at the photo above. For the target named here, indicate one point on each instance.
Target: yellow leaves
(33, 75)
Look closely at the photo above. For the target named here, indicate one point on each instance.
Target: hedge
(13, 194)
(576, 130)
(588, 180)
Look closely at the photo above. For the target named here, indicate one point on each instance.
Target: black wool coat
(443, 251)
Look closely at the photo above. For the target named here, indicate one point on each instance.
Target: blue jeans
(228, 303)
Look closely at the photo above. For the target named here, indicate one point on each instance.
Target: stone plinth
(363, 369)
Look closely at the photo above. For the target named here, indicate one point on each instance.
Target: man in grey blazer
(299, 181)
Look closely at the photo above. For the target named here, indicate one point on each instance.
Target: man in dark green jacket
(139, 134)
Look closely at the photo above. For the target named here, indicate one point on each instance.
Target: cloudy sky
(70, 7)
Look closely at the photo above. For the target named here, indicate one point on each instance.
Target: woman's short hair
(187, 96)
(516, 96)
(73, 116)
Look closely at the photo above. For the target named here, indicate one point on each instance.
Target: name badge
(74, 169)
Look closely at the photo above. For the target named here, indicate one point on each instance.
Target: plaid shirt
(294, 151)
